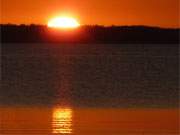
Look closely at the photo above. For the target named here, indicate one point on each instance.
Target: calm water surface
(93, 82)
(61, 120)
(90, 75)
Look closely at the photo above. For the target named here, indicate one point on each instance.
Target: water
(61, 120)
(89, 89)
(90, 75)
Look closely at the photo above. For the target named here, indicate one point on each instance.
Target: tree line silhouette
(88, 34)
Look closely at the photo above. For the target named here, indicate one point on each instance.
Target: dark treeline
(88, 34)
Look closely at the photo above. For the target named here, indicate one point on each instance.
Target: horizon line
(94, 25)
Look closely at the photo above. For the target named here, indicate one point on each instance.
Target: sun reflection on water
(62, 121)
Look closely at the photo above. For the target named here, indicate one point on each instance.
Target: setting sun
(63, 22)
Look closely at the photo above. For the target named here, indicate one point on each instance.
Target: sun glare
(62, 121)
(63, 22)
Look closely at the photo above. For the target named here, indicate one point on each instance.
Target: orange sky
(162, 13)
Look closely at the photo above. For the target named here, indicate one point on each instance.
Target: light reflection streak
(62, 121)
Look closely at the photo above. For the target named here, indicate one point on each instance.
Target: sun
(63, 22)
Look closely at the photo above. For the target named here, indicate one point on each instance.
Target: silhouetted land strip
(89, 34)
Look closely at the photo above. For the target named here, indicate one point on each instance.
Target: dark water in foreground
(92, 83)
(90, 75)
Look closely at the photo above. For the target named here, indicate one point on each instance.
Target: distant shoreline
(94, 25)
(11, 33)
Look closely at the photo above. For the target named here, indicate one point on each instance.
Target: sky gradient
(163, 13)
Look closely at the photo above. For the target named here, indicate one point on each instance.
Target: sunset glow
(63, 22)
(162, 13)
